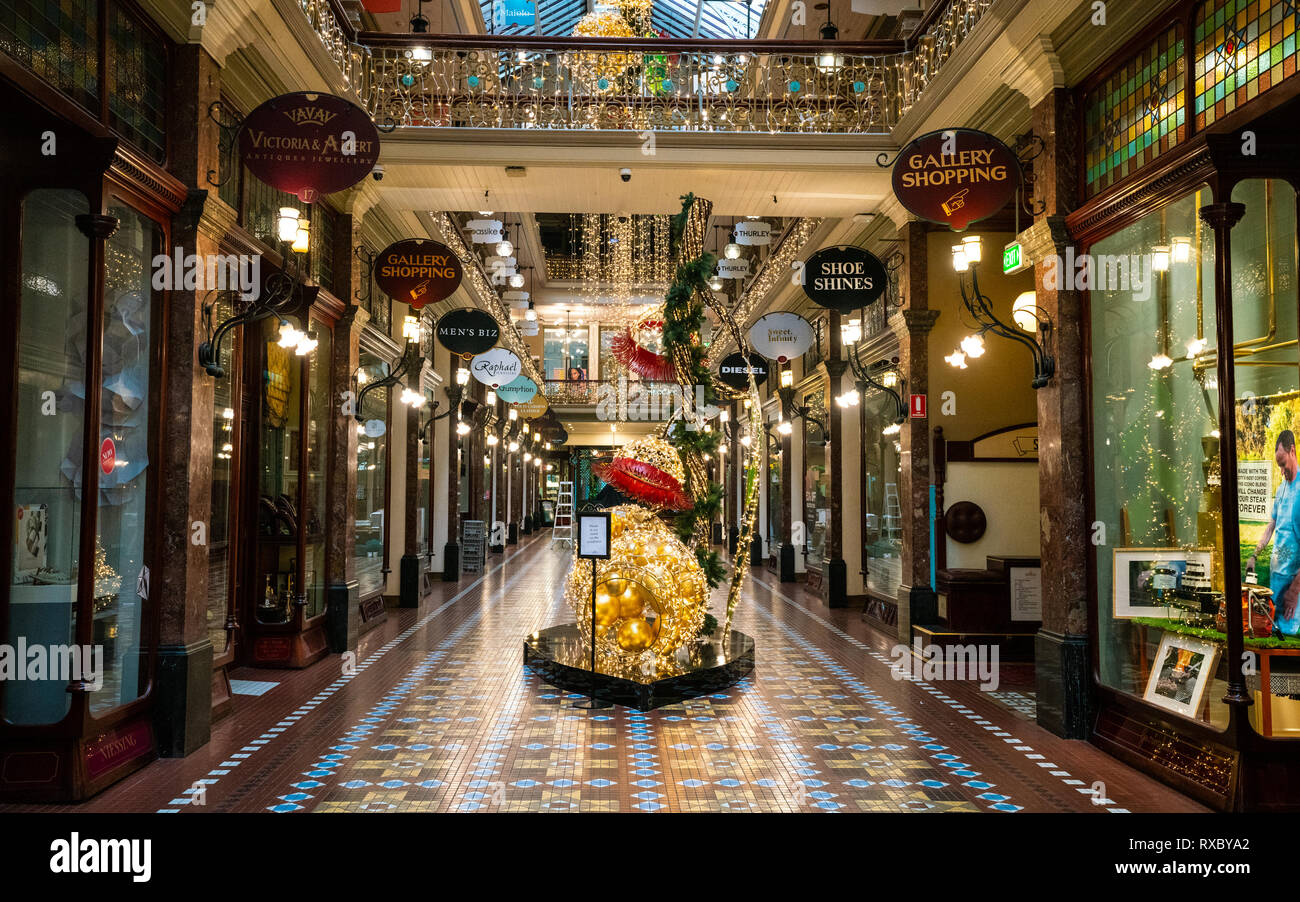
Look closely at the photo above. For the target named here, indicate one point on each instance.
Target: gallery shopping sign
(309, 144)
(418, 271)
(955, 176)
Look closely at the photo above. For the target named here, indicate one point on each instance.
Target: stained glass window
(1242, 50)
(1137, 113)
(57, 41)
(137, 91)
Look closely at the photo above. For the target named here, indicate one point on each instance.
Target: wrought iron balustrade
(761, 86)
(623, 399)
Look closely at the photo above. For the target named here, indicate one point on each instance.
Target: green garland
(1212, 635)
(683, 322)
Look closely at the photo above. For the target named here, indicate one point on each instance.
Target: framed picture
(1181, 673)
(31, 535)
(1140, 574)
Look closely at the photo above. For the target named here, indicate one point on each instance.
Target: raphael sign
(418, 271)
(309, 144)
(956, 176)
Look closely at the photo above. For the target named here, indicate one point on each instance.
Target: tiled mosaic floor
(442, 716)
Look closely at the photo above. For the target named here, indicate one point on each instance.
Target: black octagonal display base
(560, 657)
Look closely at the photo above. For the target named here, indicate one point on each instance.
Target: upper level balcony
(688, 85)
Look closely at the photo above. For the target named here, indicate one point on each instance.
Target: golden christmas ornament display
(650, 596)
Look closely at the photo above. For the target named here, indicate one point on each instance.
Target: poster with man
(1269, 516)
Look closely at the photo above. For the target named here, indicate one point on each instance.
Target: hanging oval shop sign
(484, 231)
(753, 232)
(519, 391)
(733, 269)
(781, 336)
(418, 271)
(309, 144)
(467, 332)
(955, 176)
(534, 407)
(496, 367)
(736, 369)
(844, 278)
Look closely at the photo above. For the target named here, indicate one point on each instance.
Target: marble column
(343, 621)
(835, 585)
(451, 550)
(409, 568)
(788, 551)
(917, 602)
(1062, 670)
(183, 708)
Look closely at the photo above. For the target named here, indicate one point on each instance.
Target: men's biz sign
(467, 331)
(844, 278)
(956, 176)
(309, 144)
(418, 271)
(736, 369)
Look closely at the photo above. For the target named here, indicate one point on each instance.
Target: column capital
(1225, 215)
(915, 322)
(1036, 71)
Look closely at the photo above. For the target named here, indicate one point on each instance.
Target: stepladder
(562, 528)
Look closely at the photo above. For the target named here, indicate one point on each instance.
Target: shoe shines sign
(844, 278)
(955, 176)
(309, 144)
(418, 271)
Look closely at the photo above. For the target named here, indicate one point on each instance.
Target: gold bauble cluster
(658, 453)
(650, 596)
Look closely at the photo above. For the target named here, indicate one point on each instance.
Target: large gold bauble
(650, 595)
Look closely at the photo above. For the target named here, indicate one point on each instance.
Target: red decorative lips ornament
(648, 471)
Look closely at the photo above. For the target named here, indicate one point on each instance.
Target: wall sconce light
(851, 332)
(513, 447)
(462, 376)
(1160, 258)
(787, 378)
(490, 398)
(745, 440)
(527, 457)
(965, 258)
(302, 238)
(411, 328)
(513, 414)
(306, 344)
(1181, 249)
(286, 225)
(722, 449)
(412, 397)
(492, 439)
(462, 428)
(785, 427)
(849, 399)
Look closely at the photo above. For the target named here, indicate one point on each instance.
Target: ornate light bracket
(278, 299)
(792, 410)
(1027, 148)
(979, 306)
(230, 128)
(865, 377)
(367, 258)
(394, 377)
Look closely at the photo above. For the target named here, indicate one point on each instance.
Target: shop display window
(816, 493)
(220, 526)
(370, 506)
(51, 371)
(319, 412)
(882, 526)
(564, 353)
(1156, 458)
(774, 499)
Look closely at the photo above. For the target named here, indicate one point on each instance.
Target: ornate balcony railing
(494, 81)
(621, 399)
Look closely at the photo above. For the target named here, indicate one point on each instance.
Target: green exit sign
(1013, 258)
